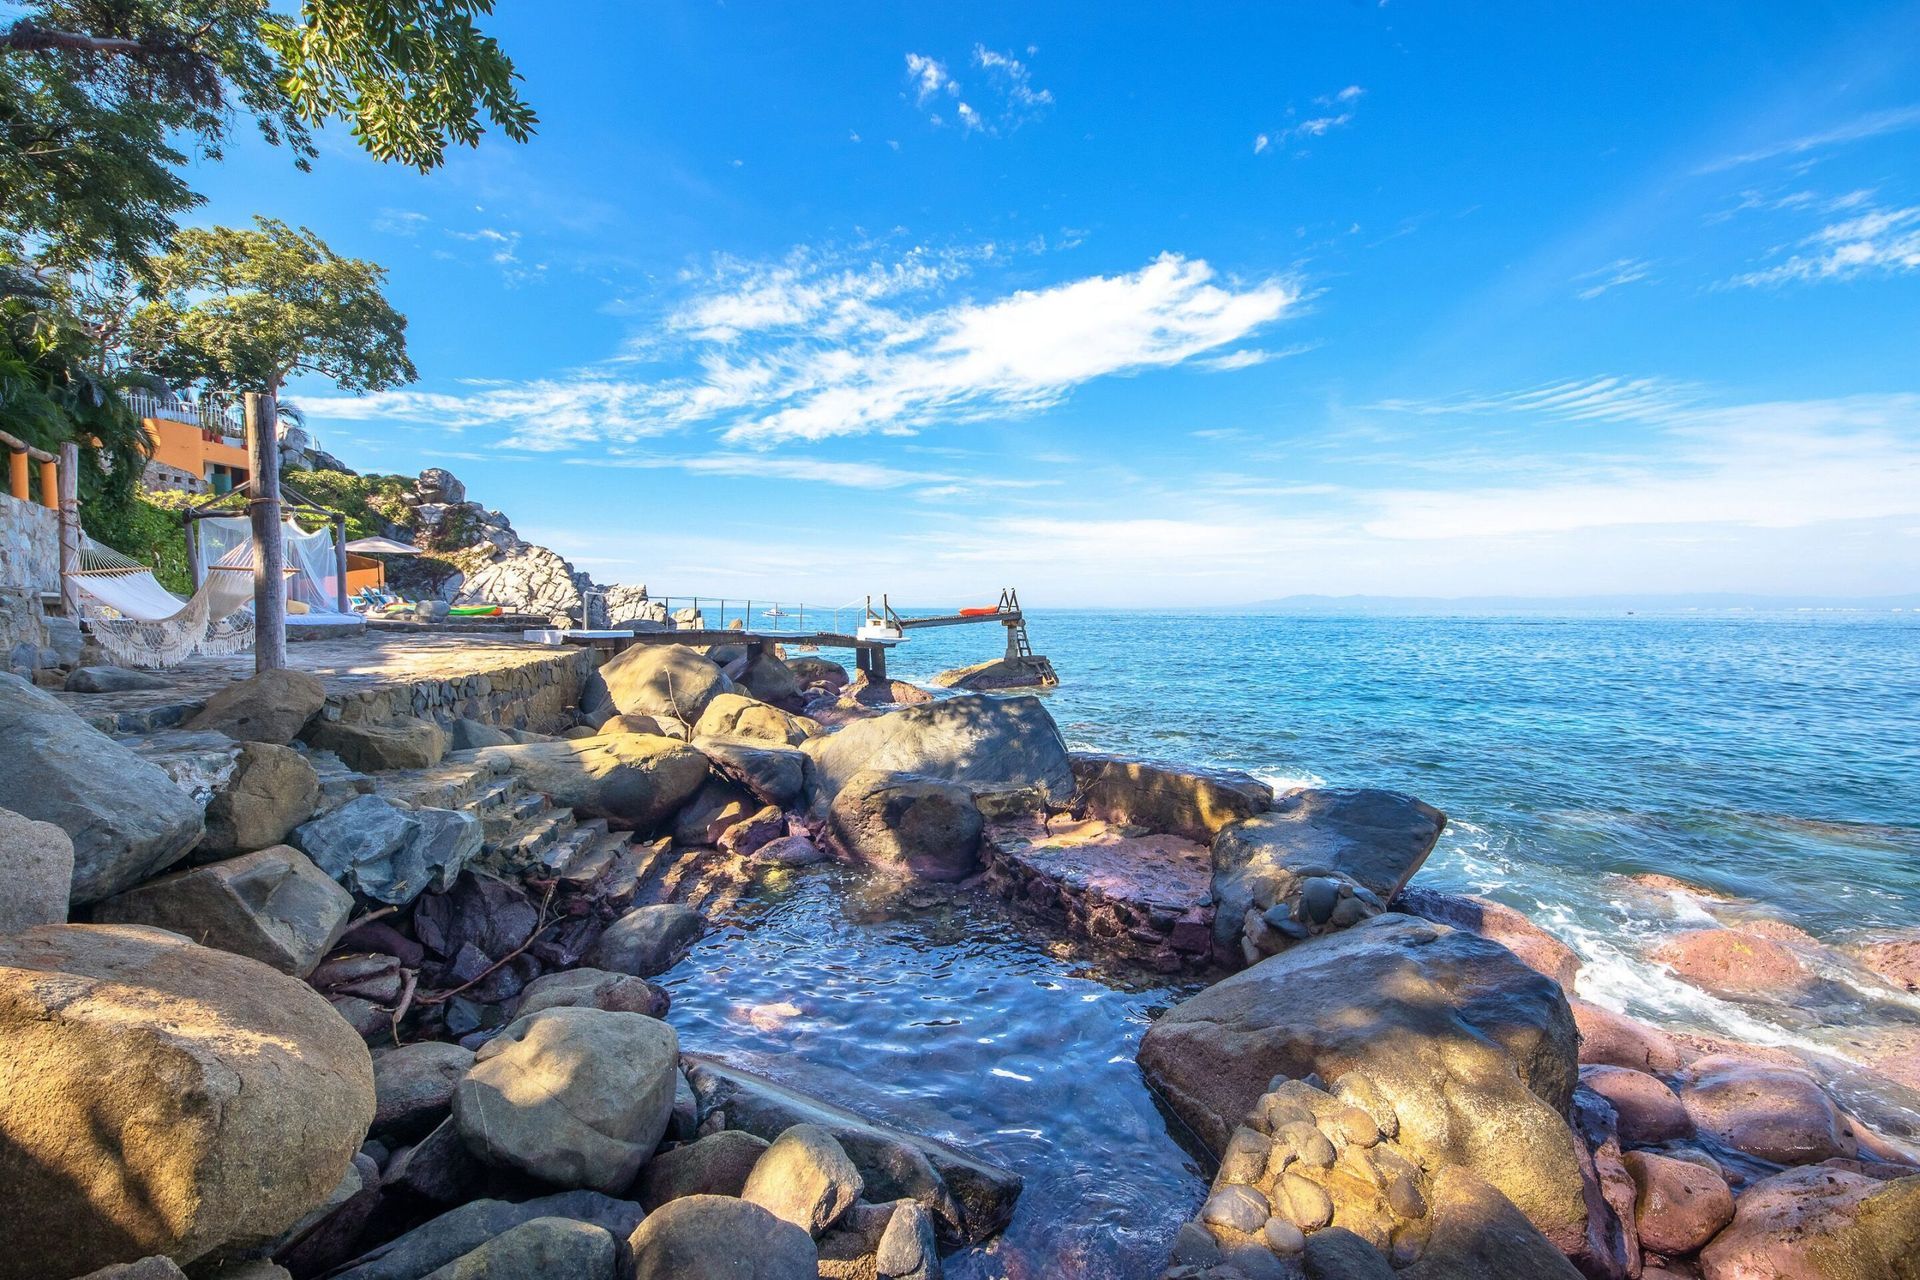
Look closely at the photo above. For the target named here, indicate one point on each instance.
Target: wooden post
(196, 572)
(269, 552)
(17, 474)
(340, 559)
(50, 484)
(69, 486)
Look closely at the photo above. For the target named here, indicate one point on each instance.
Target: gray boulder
(273, 706)
(271, 790)
(804, 1178)
(154, 1268)
(716, 1165)
(113, 680)
(648, 940)
(413, 1087)
(732, 715)
(1006, 751)
(575, 1097)
(1321, 860)
(390, 854)
(592, 989)
(409, 743)
(720, 1238)
(126, 818)
(771, 681)
(460, 1231)
(772, 774)
(1195, 803)
(634, 780)
(1469, 1052)
(36, 865)
(272, 905)
(900, 822)
(538, 1247)
(661, 680)
(470, 735)
(718, 800)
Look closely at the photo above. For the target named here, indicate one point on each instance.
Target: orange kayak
(980, 612)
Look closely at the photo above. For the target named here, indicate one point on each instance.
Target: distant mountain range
(1722, 602)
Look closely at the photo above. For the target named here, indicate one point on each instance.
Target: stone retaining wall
(538, 694)
(29, 546)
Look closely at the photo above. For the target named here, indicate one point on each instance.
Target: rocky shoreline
(289, 993)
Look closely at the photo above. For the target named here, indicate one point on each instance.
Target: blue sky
(1180, 304)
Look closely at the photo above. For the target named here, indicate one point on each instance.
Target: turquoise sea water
(1775, 759)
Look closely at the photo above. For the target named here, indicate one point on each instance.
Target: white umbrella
(383, 547)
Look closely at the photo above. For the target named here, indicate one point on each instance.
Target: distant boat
(777, 613)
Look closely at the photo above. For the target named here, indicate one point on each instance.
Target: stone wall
(539, 695)
(29, 546)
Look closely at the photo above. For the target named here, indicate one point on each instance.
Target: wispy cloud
(1010, 100)
(801, 351)
(400, 222)
(929, 77)
(1582, 400)
(503, 250)
(1336, 110)
(1871, 125)
(1622, 271)
(1885, 241)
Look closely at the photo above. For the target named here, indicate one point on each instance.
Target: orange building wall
(183, 445)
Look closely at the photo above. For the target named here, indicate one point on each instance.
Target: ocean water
(1772, 759)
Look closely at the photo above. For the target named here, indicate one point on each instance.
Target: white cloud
(1580, 400)
(1337, 113)
(851, 475)
(1011, 99)
(1879, 240)
(1622, 271)
(929, 78)
(1867, 126)
(400, 222)
(1014, 78)
(1261, 142)
(806, 351)
(504, 252)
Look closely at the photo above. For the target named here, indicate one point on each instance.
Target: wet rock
(273, 706)
(969, 1200)
(1195, 803)
(1006, 751)
(413, 1085)
(538, 1247)
(1775, 1113)
(1895, 959)
(1611, 1247)
(404, 744)
(593, 989)
(36, 866)
(1732, 962)
(127, 820)
(1450, 1030)
(390, 854)
(1321, 860)
(274, 906)
(720, 1238)
(662, 680)
(648, 940)
(773, 774)
(1648, 1112)
(1537, 949)
(716, 1165)
(460, 1231)
(631, 779)
(998, 674)
(113, 680)
(201, 1098)
(790, 851)
(745, 837)
(909, 825)
(575, 1097)
(1615, 1040)
(907, 1249)
(1820, 1224)
(1679, 1205)
(271, 790)
(804, 1178)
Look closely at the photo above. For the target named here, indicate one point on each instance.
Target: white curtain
(228, 540)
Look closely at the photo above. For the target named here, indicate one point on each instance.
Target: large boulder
(719, 801)
(1646, 1112)
(1537, 949)
(1472, 1052)
(1195, 803)
(1775, 1113)
(272, 905)
(811, 670)
(662, 680)
(720, 1238)
(593, 989)
(575, 1097)
(648, 940)
(36, 865)
(413, 1087)
(1820, 1224)
(163, 1097)
(999, 673)
(631, 779)
(804, 1178)
(921, 827)
(390, 854)
(730, 715)
(773, 774)
(1735, 963)
(1321, 860)
(1007, 751)
(716, 1165)
(114, 680)
(127, 819)
(1679, 1205)
(770, 680)
(273, 706)
(538, 1247)
(410, 743)
(458, 1232)
(271, 790)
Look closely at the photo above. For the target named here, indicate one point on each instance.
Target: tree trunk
(340, 562)
(269, 551)
(69, 527)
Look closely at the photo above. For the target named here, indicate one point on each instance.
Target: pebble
(1318, 897)
(1309, 1145)
(1238, 1208)
(1246, 1156)
(1306, 1203)
(1284, 1238)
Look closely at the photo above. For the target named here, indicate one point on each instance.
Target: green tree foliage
(97, 98)
(236, 310)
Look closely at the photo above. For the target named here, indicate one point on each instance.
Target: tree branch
(26, 37)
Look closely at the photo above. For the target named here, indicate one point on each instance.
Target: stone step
(528, 842)
(445, 786)
(599, 849)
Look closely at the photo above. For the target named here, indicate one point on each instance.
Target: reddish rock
(1730, 962)
(1679, 1205)
(1770, 1112)
(741, 838)
(1820, 1224)
(1615, 1040)
(1673, 884)
(1539, 950)
(1896, 960)
(1648, 1112)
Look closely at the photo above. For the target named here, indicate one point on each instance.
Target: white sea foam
(1283, 782)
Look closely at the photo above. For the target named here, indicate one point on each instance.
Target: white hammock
(148, 626)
